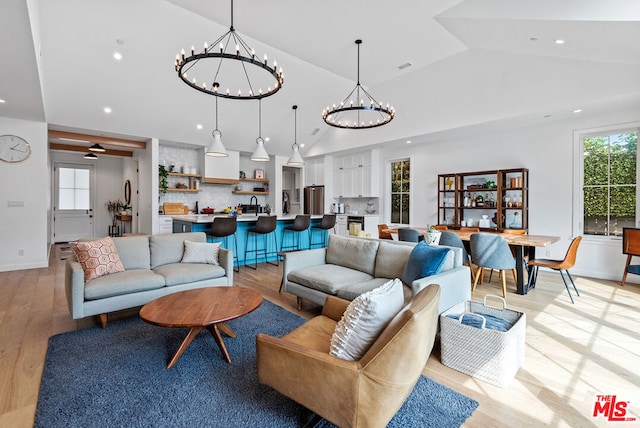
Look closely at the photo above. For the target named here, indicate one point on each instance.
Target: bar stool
(264, 226)
(223, 227)
(300, 224)
(328, 222)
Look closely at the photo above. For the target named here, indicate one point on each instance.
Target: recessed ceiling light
(107, 109)
(267, 139)
(405, 65)
(315, 131)
(547, 115)
(408, 141)
(117, 56)
(578, 110)
(559, 42)
(533, 39)
(302, 145)
(199, 126)
(2, 101)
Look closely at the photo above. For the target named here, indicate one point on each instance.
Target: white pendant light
(295, 159)
(260, 153)
(216, 148)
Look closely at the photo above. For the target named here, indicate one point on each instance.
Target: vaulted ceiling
(474, 63)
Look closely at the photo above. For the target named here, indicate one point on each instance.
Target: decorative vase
(433, 238)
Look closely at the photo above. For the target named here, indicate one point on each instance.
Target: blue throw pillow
(424, 260)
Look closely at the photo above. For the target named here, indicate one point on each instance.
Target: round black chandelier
(221, 69)
(365, 112)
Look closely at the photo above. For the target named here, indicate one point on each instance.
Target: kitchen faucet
(251, 202)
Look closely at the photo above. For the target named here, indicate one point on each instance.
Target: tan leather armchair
(365, 393)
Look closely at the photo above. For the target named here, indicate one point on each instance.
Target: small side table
(124, 220)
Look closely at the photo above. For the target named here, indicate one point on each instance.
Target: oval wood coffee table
(201, 308)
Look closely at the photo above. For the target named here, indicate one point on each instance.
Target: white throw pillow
(364, 319)
(201, 252)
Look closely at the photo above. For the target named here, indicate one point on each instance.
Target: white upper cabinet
(354, 176)
(227, 168)
(314, 172)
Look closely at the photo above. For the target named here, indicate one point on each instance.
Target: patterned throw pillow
(364, 319)
(97, 258)
(201, 252)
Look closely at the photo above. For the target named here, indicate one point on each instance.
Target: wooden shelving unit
(465, 195)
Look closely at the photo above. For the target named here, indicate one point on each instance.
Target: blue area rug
(117, 377)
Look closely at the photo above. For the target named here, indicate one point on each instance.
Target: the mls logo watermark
(612, 409)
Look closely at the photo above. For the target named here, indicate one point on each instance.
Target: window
(400, 188)
(610, 187)
(73, 189)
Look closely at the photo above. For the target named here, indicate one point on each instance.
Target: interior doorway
(73, 202)
(291, 181)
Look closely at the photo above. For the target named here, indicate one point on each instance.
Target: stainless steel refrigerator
(314, 200)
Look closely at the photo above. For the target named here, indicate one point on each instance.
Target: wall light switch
(15, 204)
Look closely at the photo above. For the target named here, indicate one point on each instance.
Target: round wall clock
(14, 148)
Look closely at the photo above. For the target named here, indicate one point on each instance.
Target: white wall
(25, 228)
(547, 151)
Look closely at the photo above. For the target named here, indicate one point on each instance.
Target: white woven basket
(490, 355)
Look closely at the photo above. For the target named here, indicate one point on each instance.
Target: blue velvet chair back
(491, 251)
(408, 234)
(451, 239)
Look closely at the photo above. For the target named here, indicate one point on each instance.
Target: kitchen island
(203, 222)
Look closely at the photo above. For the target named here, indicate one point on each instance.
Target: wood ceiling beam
(72, 148)
(61, 135)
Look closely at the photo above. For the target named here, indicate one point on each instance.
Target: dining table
(517, 242)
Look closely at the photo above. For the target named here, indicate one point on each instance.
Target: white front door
(74, 186)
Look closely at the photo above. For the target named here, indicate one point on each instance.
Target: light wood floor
(573, 352)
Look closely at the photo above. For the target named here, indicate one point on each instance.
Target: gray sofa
(351, 266)
(152, 269)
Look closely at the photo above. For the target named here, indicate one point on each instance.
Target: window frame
(578, 180)
(390, 192)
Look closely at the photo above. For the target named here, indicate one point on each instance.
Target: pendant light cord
(260, 118)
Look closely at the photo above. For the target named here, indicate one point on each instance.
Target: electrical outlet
(21, 252)
(15, 204)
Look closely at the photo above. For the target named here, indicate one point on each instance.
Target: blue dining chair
(409, 235)
(451, 239)
(492, 252)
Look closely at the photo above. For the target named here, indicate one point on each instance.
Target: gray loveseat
(351, 266)
(152, 269)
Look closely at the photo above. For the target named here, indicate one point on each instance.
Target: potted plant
(114, 209)
(162, 175)
(433, 235)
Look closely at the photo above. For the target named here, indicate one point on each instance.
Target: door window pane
(73, 189)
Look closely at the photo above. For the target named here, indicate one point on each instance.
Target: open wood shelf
(175, 189)
(179, 174)
(248, 192)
